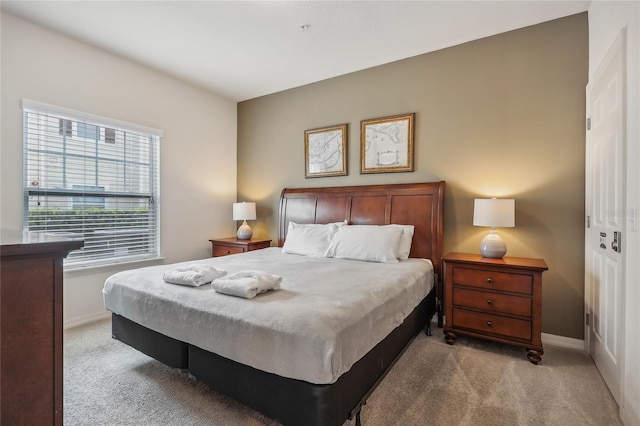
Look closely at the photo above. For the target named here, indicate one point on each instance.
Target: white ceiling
(246, 49)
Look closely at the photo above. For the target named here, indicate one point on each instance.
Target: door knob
(616, 243)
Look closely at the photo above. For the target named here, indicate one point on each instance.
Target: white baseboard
(630, 416)
(563, 342)
(76, 322)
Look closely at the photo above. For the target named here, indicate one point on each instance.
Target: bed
(330, 374)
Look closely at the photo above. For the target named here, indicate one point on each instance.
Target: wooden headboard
(417, 204)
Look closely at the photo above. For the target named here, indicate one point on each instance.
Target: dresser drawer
(492, 302)
(502, 281)
(492, 324)
(219, 250)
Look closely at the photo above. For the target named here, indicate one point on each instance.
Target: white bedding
(327, 314)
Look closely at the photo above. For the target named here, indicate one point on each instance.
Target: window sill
(114, 264)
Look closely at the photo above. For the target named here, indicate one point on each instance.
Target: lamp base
(244, 232)
(493, 246)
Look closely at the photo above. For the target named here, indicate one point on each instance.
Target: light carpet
(470, 383)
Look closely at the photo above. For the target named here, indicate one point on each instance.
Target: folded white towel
(193, 275)
(239, 287)
(265, 280)
(246, 284)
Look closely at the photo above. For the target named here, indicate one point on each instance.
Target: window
(92, 178)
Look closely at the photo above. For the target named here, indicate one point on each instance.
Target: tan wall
(502, 116)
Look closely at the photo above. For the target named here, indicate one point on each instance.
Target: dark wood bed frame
(296, 402)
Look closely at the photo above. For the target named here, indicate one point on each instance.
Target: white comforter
(327, 314)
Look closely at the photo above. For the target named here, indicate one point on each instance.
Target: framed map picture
(325, 151)
(386, 144)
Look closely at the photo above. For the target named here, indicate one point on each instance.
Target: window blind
(92, 178)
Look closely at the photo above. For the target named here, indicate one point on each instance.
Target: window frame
(65, 117)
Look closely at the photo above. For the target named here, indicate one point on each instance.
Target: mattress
(326, 316)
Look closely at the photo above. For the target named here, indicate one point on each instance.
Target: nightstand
(495, 299)
(226, 246)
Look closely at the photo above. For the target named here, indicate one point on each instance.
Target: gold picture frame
(325, 151)
(386, 144)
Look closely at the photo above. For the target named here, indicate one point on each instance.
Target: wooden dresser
(227, 246)
(495, 299)
(31, 327)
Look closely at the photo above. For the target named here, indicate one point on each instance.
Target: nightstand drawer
(492, 302)
(227, 246)
(486, 279)
(492, 324)
(219, 250)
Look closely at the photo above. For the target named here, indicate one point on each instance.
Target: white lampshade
(496, 213)
(244, 211)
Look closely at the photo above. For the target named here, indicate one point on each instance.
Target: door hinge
(587, 318)
(589, 123)
(588, 221)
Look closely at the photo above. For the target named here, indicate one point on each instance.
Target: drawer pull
(489, 323)
(490, 280)
(489, 302)
(228, 251)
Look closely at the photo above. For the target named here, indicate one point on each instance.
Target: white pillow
(308, 239)
(343, 223)
(404, 246)
(371, 243)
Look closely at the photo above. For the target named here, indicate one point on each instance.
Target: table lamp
(244, 211)
(496, 213)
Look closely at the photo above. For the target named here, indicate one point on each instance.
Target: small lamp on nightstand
(244, 212)
(496, 213)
